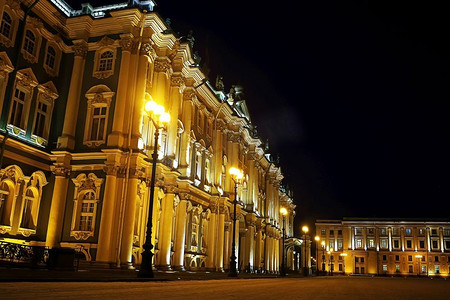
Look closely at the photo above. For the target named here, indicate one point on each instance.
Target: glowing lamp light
(150, 106)
(236, 173)
(305, 229)
(323, 243)
(344, 254)
(317, 238)
(165, 117)
(283, 211)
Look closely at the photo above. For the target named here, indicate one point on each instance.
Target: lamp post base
(146, 270)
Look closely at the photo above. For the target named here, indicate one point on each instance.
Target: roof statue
(190, 39)
(219, 83)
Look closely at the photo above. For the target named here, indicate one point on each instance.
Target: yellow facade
(384, 247)
(100, 176)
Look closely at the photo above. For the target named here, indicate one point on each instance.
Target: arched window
(50, 59)
(6, 25)
(29, 42)
(5, 204)
(86, 211)
(27, 212)
(194, 235)
(17, 108)
(106, 61)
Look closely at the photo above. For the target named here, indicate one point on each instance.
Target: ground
(273, 288)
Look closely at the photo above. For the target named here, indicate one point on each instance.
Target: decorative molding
(80, 48)
(60, 171)
(81, 235)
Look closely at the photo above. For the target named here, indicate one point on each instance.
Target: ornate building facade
(384, 246)
(76, 144)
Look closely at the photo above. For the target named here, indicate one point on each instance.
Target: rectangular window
(395, 231)
(397, 268)
(436, 269)
(362, 259)
(383, 231)
(436, 258)
(410, 269)
(339, 232)
(385, 269)
(384, 257)
(371, 230)
(41, 118)
(446, 232)
(408, 231)
(371, 243)
(358, 243)
(358, 231)
(331, 232)
(447, 245)
(340, 267)
(339, 244)
(331, 244)
(384, 243)
(408, 244)
(435, 244)
(434, 231)
(98, 124)
(323, 232)
(18, 105)
(422, 244)
(396, 244)
(409, 257)
(356, 259)
(421, 231)
(424, 269)
(397, 258)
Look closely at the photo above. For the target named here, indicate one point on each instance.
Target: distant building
(76, 144)
(384, 246)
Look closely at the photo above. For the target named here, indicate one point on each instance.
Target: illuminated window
(436, 269)
(385, 268)
(421, 231)
(446, 232)
(358, 243)
(6, 26)
(371, 243)
(339, 243)
(383, 231)
(408, 231)
(331, 244)
(424, 269)
(323, 232)
(384, 243)
(397, 268)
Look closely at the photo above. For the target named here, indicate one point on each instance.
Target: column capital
(111, 170)
(80, 48)
(60, 171)
(147, 48)
(163, 65)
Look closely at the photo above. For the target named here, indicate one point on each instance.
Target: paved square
(277, 288)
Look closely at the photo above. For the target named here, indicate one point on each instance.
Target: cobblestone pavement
(263, 288)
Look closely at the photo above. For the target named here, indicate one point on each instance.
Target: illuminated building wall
(385, 246)
(77, 143)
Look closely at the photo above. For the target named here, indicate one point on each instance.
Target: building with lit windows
(384, 246)
(76, 144)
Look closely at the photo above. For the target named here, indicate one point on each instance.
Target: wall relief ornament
(80, 49)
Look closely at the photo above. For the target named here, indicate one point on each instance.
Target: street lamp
(343, 260)
(323, 257)
(283, 211)
(317, 239)
(236, 175)
(330, 253)
(305, 230)
(159, 118)
(419, 257)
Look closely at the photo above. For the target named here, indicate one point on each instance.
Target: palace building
(384, 246)
(76, 144)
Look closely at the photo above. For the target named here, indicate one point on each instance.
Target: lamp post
(305, 230)
(317, 239)
(344, 255)
(159, 118)
(419, 257)
(330, 253)
(283, 211)
(323, 257)
(236, 175)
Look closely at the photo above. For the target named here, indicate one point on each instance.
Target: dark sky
(352, 95)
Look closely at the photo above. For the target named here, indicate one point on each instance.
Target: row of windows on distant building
(384, 231)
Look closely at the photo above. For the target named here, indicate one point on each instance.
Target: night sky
(353, 96)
